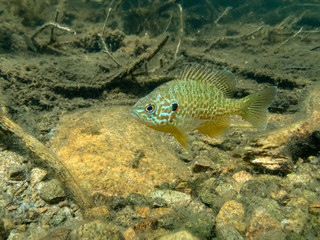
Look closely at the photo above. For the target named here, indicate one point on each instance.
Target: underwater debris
(106, 50)
(49, 159)
(52, 37)
(33, 45)
(180, 31)
(288, 39)
(225, 12)
(140, 61)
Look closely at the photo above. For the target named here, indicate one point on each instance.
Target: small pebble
(52, 192)
(241, 177)
(37, 175)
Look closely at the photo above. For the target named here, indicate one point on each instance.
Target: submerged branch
(48, 158)
(146, 57)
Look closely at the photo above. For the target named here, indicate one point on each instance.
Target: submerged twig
(50, 159)
(34, 46)
(243, 36)
(146, 57)
(167, 26)
(52, 39)
(225, 12)
(180, 31)
(290, 21)
(105, 48)
(50, 24)
(287, 40)
(105, 22)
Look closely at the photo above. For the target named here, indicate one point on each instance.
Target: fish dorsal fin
(221, 79)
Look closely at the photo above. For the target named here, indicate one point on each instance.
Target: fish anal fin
(214, 128)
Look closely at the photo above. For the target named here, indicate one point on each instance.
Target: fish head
(155, 111)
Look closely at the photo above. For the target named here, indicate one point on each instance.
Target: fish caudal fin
(255, 107)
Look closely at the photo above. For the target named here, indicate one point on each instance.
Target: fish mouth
(134, 113)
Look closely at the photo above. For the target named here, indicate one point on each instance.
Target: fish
(200, 99)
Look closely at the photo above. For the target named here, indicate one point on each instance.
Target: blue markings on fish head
(154, 111)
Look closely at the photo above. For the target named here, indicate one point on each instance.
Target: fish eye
(174, 107)
(150, 108)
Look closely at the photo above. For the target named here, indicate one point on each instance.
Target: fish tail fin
(255, 107)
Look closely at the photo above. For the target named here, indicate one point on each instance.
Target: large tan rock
(108, 152)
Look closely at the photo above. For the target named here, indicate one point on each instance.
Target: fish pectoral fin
(214, 128)
(181, 137)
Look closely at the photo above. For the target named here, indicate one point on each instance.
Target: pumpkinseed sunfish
(200, 99)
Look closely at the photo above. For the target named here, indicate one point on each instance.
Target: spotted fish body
(200, 99)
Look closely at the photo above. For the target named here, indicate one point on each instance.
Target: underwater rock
(228, 232)
(172, 198)
(231, 213)
(51, 191)
(129, 234)
(14, 165)
(57, 218)
(216, 192)
(15, 235)
(127, 217)
(279, 163)
(200, 220)
(195, 218)
(260, 224)
(146, 225)
(135, 199)
(181, 235)
(241, 177)
(300, 180)
(55, 234)
(2, 230)
(292, 225)
(16, 173)
(315, 208)
(97, 230)
(111, 154)
(158, 202)
(280, 196)
(37, 175)
(261, 186)
(97, 212)
(143, 212)
(297, 215)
